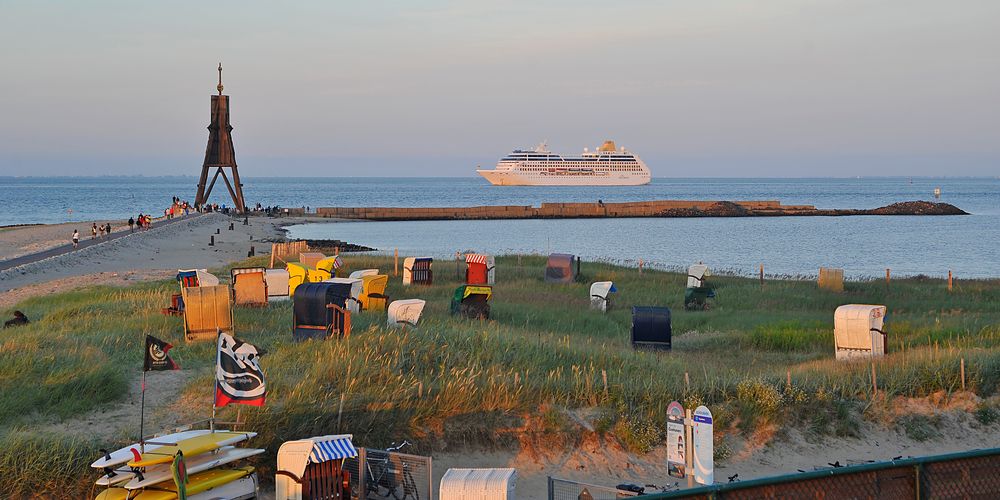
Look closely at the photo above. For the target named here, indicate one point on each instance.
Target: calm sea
(864, 246)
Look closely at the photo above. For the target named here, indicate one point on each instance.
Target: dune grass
(454, 381)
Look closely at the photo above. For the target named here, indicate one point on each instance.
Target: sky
(697, 88)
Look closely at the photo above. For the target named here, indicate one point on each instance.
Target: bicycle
(385, 479)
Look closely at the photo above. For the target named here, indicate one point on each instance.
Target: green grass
(453, 382)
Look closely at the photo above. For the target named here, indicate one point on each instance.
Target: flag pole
(142, 414)
(215, 377)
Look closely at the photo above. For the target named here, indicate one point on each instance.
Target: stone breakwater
(660, 208)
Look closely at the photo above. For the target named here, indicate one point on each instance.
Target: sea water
(863, 245)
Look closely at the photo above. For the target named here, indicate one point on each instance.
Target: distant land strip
(660, 208)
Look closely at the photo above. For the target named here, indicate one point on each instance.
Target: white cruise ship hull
(515, 178)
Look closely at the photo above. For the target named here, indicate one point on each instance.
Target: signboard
(676, 447)
(704, 462)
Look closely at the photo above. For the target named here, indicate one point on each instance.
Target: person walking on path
(93, 231)
(107, 230)
(131, 225)
(76, 239)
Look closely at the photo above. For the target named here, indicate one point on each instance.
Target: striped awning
(475, 258)
(324, 451)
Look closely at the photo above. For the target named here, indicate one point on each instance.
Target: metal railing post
(552, 489)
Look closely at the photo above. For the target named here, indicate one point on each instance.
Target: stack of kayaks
(208, 457)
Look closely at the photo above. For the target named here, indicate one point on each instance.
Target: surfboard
(190, 447)
(161, 472)
(125, 454)
(216, 483)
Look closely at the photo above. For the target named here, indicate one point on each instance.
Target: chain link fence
(564, 489)
(972, 474)
(378, 475)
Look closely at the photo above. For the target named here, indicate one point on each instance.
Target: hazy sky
(695, 87)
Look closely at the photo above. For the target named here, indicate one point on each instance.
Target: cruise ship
(607, 166)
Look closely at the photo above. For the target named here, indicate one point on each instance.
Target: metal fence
(971, 474)
(564, 489)
(389, 475)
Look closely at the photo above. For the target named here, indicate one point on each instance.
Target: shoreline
(639, 209)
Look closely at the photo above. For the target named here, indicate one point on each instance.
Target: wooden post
(689, 449)
(962, 371)
(788, 379)
(687, 382)
(395, 263)
(604, 378)
(887, 277)
(640, 266)
(762, 275)
(336, 250)
(949, 280)
(874, 382)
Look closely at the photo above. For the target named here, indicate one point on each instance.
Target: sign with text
(676, 447)
(704, 460)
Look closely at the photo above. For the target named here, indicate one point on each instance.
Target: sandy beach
(183, 244)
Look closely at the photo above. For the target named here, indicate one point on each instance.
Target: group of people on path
(141, 222)
(100, 231)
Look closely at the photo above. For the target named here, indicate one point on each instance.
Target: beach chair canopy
(417, 271)
(356, 287)
(309, 467)
(330, 264)
(311, 318)
(696, 275)
(495, 484)
(207, 310)
(309, 259)
(599, 291)
(559, 268)
(277, 282)
(472, 301)
(859, 327)
(249, 286)
(373, 297)
(480, 269)
(404, 312)
(651, 327)
(361, 273)
(196, 277)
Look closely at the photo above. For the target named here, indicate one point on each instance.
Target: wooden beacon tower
(220, 154)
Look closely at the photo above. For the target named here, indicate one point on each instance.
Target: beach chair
(309, 259)
(480, 269)
(650, 328)
(599, 295)
(859, 331)
(417, 271)
(831, 279)
(277, 284)
(314, 468)
(559, 268)
(401, 313)
(312, 314)
(296, 276)
(353, 303)
(361, 273)
(207, 311)
(698, 290)
(249, 286)
(472, 301)
(373, 297)
(317, 275)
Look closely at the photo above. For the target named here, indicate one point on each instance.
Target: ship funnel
(608, 146)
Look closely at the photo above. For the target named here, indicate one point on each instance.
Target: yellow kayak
(197, 483)
(190, 447)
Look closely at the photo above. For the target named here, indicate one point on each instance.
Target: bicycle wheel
(408, 488)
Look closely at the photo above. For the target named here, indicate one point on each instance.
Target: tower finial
(220, 87)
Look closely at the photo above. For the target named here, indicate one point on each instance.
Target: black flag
(156, 356)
